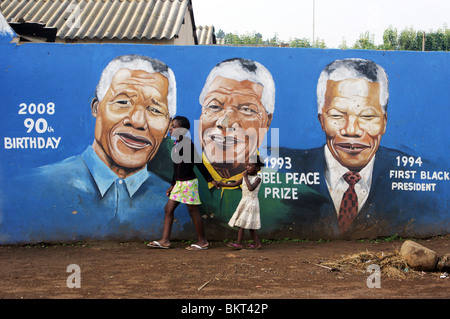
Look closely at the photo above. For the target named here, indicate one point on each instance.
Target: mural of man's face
(353, 121)
(231, 119)
(132, 119)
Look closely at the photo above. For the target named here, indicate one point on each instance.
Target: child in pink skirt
(184, 186)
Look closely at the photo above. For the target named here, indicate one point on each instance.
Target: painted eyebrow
(215, 99)
(154, 100)
(128, 94)
(372, 111)
(240, 105)
(226, 92)
(335, 109)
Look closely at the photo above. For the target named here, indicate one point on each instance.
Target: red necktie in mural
(349, 203)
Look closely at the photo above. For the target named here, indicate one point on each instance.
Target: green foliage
(439, 40)
(249, 39)
(300, 43)
(390, 39)
(319, 43)
(406, 39)
(409, 40)
(366, 41)
(343, 45)
(256, 39)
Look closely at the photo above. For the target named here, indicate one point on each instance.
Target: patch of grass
(188, 241)
(386, 239)
(291, 240)
(54, 245)
(296, 240)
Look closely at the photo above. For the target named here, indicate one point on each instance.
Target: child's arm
(252, 187)
(237, 183)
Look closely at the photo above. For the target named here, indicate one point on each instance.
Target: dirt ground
(280, 270)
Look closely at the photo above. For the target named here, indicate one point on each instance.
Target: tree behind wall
(408, 39)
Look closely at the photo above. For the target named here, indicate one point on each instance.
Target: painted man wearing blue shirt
(106, 192)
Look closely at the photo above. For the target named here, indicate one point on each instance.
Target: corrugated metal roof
(205, 35)
(112, 19)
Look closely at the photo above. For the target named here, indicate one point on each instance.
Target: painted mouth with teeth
(133, 141)
(352, 148)
(224, 141)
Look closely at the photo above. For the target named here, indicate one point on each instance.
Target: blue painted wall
(66, 76)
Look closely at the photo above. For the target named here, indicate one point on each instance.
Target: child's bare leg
(240, 236)
(169, 210)
(198, 224)
(255, 238)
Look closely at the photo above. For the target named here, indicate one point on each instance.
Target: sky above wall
(333, 22)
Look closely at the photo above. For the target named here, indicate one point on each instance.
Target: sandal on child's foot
(254, 246)
(234, 246)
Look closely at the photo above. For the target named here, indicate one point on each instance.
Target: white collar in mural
(337, 185)
(335, 170)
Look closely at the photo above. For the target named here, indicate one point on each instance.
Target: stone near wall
(444, 263)
(418, 257)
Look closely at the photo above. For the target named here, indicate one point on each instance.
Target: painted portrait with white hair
(106, 190)
(134, 103)
(238, 102)
(352, 98)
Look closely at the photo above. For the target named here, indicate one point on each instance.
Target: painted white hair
(240, 70)
(353, 68)
(138, 62)
(5, 28)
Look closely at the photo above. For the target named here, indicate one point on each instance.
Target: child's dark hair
(184, 122)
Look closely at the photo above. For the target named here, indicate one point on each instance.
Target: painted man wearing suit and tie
(352, 99)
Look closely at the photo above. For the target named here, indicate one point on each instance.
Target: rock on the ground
(444, 263)
(418, 257)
